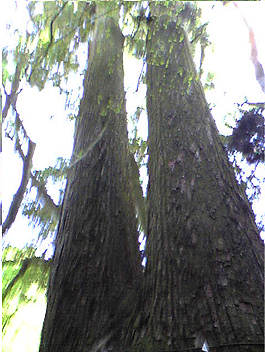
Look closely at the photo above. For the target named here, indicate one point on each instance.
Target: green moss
(99, 99)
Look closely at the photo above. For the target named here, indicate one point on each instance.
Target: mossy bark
(97, 263)
(204, 253)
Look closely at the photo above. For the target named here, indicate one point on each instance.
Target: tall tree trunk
(204, 252)
(97, 263)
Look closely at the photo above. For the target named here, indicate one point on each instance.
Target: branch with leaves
(40, 59)
(21, 268)
(12, 97)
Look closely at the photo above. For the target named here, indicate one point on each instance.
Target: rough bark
(97, 264)
(204, 252)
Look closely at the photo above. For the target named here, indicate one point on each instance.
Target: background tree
(41, 55)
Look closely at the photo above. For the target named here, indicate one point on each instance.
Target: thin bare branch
(18, 197)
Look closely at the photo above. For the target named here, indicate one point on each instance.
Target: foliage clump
(248, 136)
(21, 269)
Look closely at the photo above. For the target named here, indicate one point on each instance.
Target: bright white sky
(234, 80)
(235, 75)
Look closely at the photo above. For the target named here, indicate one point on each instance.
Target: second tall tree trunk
(204, 253)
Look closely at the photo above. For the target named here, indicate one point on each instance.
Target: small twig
(140, 77)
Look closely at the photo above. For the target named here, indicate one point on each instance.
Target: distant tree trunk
(204, 252)
(97, 263)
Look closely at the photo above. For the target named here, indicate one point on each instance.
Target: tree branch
(11, 98)
(40, 59)
(25, 265)
(18, 197)
(45, 196)
(21, 272)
